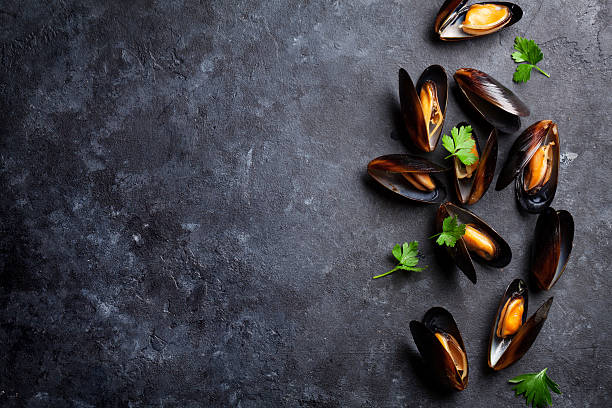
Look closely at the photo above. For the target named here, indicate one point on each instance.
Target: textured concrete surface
(186, 218)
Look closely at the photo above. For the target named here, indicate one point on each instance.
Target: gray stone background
(187, 220)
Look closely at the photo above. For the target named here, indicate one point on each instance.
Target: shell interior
(452, 14)
(498, 345)
(470, 190)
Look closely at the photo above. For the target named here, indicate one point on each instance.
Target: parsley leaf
(535, 388)
(460, 145)
(526, 51)
(451, 232)
(406, 254)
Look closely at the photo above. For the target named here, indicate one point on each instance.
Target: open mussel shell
(480, 242)
(451, 24)
(510, 347)
(533, 162)
(448, 361)
(496, 104)
(409, 176)
(554, 235)
(429, 99)
(471, 182)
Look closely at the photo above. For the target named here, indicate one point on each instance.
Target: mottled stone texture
(187, 221)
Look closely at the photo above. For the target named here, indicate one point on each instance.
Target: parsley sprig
(526, 51)
(451, 232)
(460, 145)
(406, 254)
(535, 388)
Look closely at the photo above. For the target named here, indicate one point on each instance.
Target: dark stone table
(187, 220)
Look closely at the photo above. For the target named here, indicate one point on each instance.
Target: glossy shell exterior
(496, 104)
(410, 105)
(439, 320)
(452, 13)
(387, 170)
(469, 192)
(460, 253)
(554, 235)
(523, 149)
(504, 352)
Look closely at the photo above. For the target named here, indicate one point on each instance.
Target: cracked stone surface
(187, 220)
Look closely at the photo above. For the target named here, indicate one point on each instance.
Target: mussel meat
(457, 20)
(534, 158)
(479, 241)
(424, 107)
(494, 102)
(409, 176)
(512, 334)
(441, 346)
(554, 235)
(472, 182)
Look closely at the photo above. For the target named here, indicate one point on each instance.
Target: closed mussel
(494, 102)
(533, 162)
(472, 181)
(457, 20)
(480, 242)
(512, 334)
(441, 346)
(554, 235)
(409, 176)
(424, 106)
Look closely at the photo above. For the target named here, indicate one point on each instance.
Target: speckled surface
(187, 221)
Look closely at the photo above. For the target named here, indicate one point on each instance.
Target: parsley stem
(436, 235)
(450, 155)
(385, 274)
(538, 68)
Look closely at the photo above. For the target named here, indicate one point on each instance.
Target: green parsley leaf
(526, 51)
(535, 388)
(451, 232)
(407, 257)
(460, 145)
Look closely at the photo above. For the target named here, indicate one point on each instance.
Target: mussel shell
(452, 13)
(387, 170)
(460, 254)
(472, 191)
(496, 104)
(410, 104)
(438, 319)
(510, 350)
(554, 235)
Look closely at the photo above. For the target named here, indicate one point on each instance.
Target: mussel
(497, 104)
(480, 241)
(554, 235)
(424, 107)
(441, 346)
(472, 181)
(409, 176)
(512, 334)
(457, 20)
(534, 158)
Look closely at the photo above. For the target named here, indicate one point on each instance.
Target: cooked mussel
(494, 102)
(534, 158)
(480, 241)
(554, 235)
(424, 107)
(409, 176)
(512, 334)
(441, 346)
(472, 181)
(457, 20)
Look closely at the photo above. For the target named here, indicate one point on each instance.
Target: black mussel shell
(554, 235)
(460, 253)
(471, 190)
(439, 320)
(452, 14)
(388, 170)
(410, 104)
(497, 104)
(521, 153)
(504, 352)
